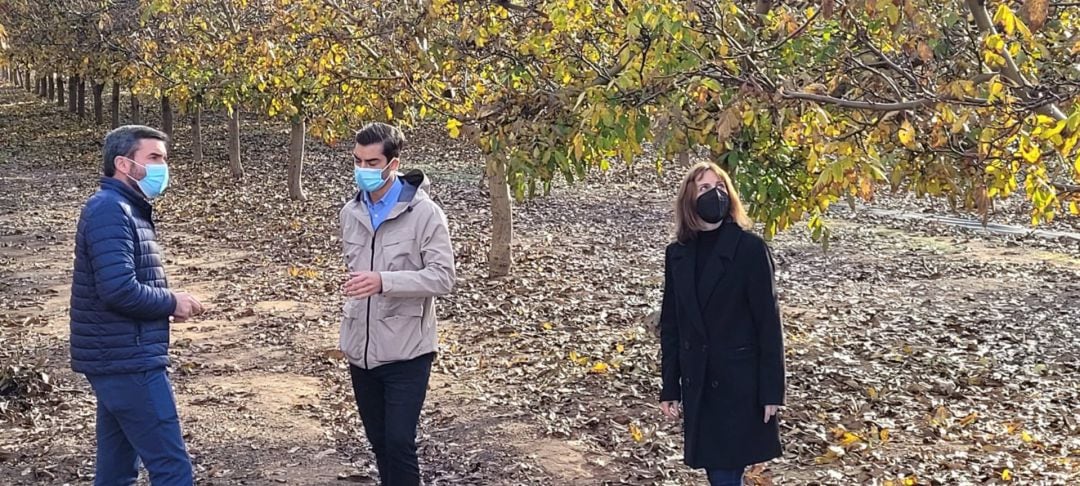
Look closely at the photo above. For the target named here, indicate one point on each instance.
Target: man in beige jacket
(397, 247)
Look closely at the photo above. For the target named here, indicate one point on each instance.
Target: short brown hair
(389, 136)
(687, 221)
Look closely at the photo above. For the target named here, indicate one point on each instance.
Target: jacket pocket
(352, 337)
(399, 337)
(399, 330)
(733, 375)
(402, 254)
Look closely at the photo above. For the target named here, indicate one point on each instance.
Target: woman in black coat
(721, 340)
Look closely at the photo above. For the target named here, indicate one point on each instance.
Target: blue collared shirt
(381, 210)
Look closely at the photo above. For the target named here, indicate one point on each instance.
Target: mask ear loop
(129, 159)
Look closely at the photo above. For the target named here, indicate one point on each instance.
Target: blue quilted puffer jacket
(120, 301)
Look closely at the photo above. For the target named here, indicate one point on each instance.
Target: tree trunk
(136, 110)
(234, 144)
(81, 107)
(52, 86)
(73, 91)
(114, 105)
(99, 111)
(166, 116)
(684, 158)
(196, 134)
(296, 160)
(502, 223)
(60, 90)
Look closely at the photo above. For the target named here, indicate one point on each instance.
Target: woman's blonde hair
(687, 221)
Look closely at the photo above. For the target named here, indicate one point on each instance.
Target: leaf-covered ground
(917, 353)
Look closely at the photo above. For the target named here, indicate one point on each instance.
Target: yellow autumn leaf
(996, 88)
(1056, 129)
(1074, 208)
(1029, 151)
(1004, 16)
(635, 433)
(1026, 437)
(971, 417)
(578, 359)
(831, 455)
(619, 348)
(1006, 475)
(599, 368)
(849, 438)
(389, 113)
(907, 134)
(884, 434)
(453, 127)
(548, 326)
(911, 481)
(578, 146)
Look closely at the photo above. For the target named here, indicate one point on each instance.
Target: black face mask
(713, 206)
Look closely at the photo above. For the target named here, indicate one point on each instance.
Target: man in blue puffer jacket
(120, 310)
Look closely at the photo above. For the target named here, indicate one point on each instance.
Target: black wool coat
(723, 349)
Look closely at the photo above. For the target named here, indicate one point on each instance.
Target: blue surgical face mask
(155, 181)
(369, 180)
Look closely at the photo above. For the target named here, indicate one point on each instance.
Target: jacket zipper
(367, 335)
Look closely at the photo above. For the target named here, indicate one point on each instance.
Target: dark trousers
(137, 419)
(725, 477)
(389, 399)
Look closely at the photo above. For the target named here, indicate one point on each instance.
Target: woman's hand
(671, 409)
(770, 411)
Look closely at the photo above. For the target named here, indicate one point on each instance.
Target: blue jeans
(725, 477)
(137, 419)
(389, 399)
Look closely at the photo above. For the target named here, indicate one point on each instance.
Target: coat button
(704, 347)
(716, 384)
(686, 345)
(687, 381)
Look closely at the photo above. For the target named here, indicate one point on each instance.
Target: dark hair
(389, 136)
(123, 142)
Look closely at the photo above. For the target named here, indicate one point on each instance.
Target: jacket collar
(132, 196)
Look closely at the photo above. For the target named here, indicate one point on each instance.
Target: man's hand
(363, 284)
(187, 306)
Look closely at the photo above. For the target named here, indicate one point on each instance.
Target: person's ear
(121, 161)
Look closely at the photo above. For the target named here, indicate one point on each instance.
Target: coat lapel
(685, 260)
(716, 265)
